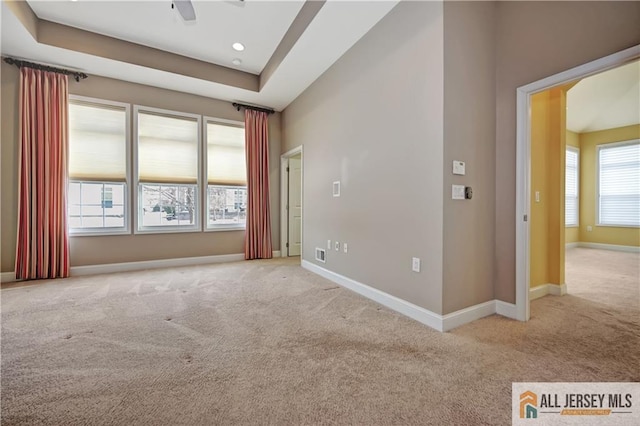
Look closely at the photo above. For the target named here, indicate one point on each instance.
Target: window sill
(617, 226)
(98, 233)
(225, 228)
(167, 230)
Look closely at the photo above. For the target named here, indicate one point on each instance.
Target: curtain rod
(18, 63)
(255, 108)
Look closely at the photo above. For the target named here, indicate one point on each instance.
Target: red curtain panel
(42, 241)
(258, 243)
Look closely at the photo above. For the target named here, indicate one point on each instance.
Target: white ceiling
(260, 25)
(605, 101)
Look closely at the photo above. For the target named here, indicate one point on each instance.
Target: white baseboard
(7, 277)
(538, 291)
(153, 264)
(571, 245)
(439, 322)
(544, 289)
(505, 309)
(394, 303)
(558, 290)
(472, 313)
(276, 253)
(109, 268)
(632, 249)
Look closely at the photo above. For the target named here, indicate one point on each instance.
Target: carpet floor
(267, 342)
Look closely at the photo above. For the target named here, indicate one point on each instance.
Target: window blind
(571, 199)
(97, 142)
(226, 163)
(167, 148)
(619, 184)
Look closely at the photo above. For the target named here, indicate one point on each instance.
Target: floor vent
(320, 255)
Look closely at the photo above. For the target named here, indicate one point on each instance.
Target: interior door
(295, 206)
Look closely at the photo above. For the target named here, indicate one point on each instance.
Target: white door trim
(284, 220)
(523, 153)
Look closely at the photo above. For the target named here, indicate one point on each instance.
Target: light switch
(537, 196)
(458, 167)
(415, 264)
(336, 188)
(457, 192)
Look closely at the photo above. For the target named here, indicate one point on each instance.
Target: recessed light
(238, 46)
(236, 61)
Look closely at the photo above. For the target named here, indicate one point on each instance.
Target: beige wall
(374, 122)
(469, 136)
(625, 236)
(536, 40)
(572, 233)
(129, 248)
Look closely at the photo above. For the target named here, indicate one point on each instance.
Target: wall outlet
(589, 228)
(345, 248)
(337, 246)
(415, 264)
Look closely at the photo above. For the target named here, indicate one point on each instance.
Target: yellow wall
(572, 233)
(588, 181)
(548, 134)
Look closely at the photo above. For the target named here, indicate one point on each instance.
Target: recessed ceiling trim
(75, 39)
(297, 28)
(26, 15)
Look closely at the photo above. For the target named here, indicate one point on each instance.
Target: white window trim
(598, 148)
(205, 179)
(126, 230)
(197, 226)
(577, 151)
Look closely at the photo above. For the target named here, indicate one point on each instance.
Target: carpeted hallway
(266, 342)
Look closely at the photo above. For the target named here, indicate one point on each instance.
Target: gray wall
(469, 136)
(87, 250)
(372, 119)
(535, 40)
(374, 122)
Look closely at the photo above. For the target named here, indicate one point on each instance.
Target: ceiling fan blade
(186, 9)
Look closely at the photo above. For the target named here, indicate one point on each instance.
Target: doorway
(291, 166)
(523, 163)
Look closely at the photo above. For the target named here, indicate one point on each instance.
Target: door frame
(284, 196)
(523, 160)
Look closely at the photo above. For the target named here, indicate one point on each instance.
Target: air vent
(320, 255)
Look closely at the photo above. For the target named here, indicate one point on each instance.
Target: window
(98, 146)
(571, 188)
(167, 170)
(619, 184)
(226, 175)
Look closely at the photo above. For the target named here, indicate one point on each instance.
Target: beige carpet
(266, 342)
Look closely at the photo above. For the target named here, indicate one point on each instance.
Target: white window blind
(571, 199)
(167, 148)
(226, 164)
(97, 142)
(619, 184)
